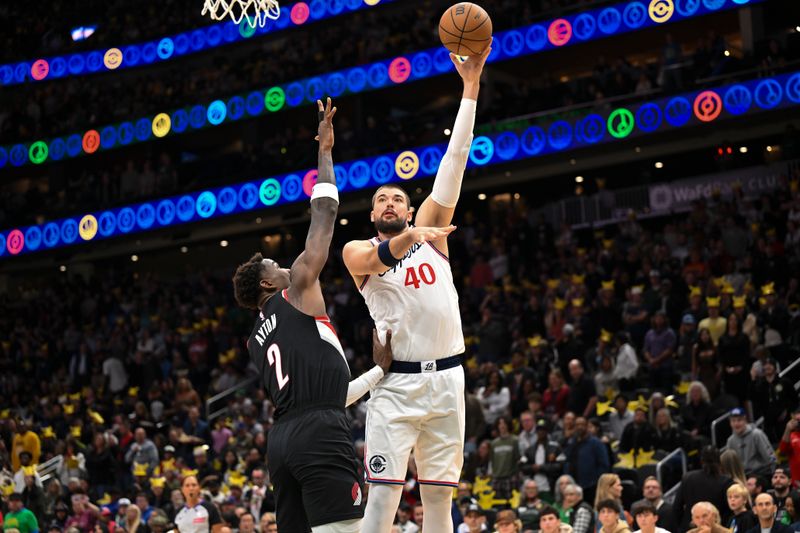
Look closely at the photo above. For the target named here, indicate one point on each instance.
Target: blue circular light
(713, 5)
(149, 53)
(382, 169)
(181, 43)
(126, 219)
(584, 26)
(534, 140)
(94, 61)
(125, 133)
(482, 150)
(226, 200)
(213, 35)
(335, 6)
(236, 108)
(51, 234)
(216, 112)
(285, 18)
(687, 8)
(185, 208)
(740, 2)
(165, 212)
(58, 66)
(737, 99)
(254, 103)
(768, 93)
(108, 137)
(792, 88)
(197, 40)
(132, 55)
(33, 238)
(536, 37)
(421, 65)
(74, 145)
(206, 204)
(429, 160)
(19, 155)
(294, 94)
(69, 231)
(76, 64)
(634, 15)
(2, 244)
(358, 174)
(341, 176)
(441, 60)
(648, 117)
(21, 72)
(315, 89)
(336, 84)
(57, 149)
(248, 196)
(378, 75)
(609, 20)
(230, 30)
(6, 75)
(513, 43)
(144, 129)
(356, 79)
(180, 121)
(145, 216)
(316, 9)
(4, 154)
(590, 129)
(559, 135)
(292, 187)
(106, 223)
(197, 117)
(678, 111)
(165, 48)
(506, 145)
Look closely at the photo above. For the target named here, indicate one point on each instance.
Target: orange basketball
(465, 29)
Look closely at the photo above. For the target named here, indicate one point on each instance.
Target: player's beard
(391, 227)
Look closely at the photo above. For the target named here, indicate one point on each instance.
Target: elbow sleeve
(363, 384)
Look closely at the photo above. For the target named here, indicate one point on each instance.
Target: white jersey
(417, 300)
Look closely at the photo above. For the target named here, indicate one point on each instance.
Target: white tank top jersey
(417, 300)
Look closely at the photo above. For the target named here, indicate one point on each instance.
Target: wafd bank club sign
(679, 195)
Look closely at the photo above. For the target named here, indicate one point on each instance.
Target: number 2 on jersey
(274, 358)
(426, 274)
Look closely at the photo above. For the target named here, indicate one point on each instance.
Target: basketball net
(256, 12)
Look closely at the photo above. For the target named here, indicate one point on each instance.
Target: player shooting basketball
(312, 462)
(405, 278)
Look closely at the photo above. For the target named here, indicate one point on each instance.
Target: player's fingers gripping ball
(465, 29)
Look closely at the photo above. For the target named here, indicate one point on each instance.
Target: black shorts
(313, 468)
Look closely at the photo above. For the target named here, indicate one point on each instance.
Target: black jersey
(299, 357)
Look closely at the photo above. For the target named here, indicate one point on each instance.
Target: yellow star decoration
(604, 407)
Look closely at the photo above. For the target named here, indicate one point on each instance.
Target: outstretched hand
(471, 69)
(325, 131)
(382, 354)
(423, 234)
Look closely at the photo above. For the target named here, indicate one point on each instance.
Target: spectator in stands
(101, 466)
(696, 413)
(195, 427)
(705, 363)
(609, 488)
(26, 469)
(549, 521)
(687, 337)
(582, 391)
(780, 486)
(576, 512)
(84, 513)
(474, 520)
(556, 396)
(18, 517)
(734, 355)
(751, 444)
(706, 519)
(639, 434)
(742, 518)
(530, 504)
(608, 513)
(627, 363)
(504, 460)
(527, 432)
(707, 485)
(792, 511)
(755, 486)
(732, 466)
(651, 490)
(142, 452)
(667, 437)
(646, 516)
(404, 519)
(766, 511)
(790, 445)
(620, 418)
(774, 398)
(586, 459)
(24, 440)
(659, 347)
(494, 397)
(541, 460)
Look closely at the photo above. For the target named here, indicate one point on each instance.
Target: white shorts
(421, 411)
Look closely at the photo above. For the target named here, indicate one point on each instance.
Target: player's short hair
(392, 186)
(246, 282)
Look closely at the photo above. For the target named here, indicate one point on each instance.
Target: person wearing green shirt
(18, 517)
(505, 460)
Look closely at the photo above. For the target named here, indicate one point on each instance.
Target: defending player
(405, 278)
(312, 462)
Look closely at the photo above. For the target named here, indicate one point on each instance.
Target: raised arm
(438, 208)
(304, 291)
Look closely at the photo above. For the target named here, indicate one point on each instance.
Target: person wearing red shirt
(790, 446)
(554, 399)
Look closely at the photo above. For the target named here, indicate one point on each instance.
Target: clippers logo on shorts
(377, 463)
(356, 494)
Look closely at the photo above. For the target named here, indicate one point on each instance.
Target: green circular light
(38, 152)
(620, 123)
(246, 30)
(274, 99)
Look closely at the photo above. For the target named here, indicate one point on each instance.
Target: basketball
(465, 29)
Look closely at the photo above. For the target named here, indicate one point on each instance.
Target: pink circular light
(40, 69)
(300, 12)
(560, 32)
(15, 242)
(399, 69)
(707, 106)
(309, 180)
